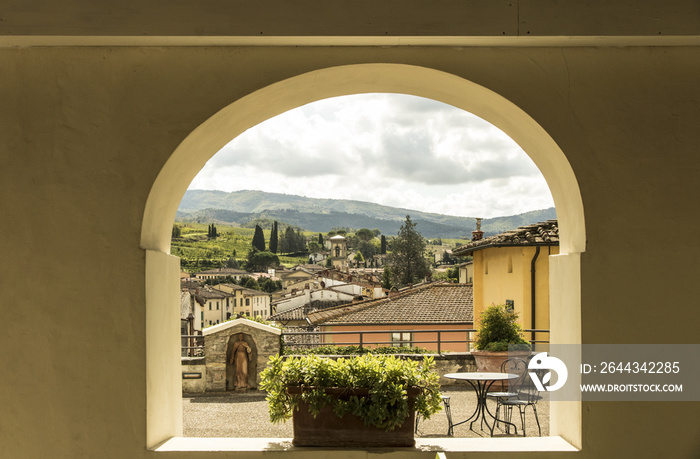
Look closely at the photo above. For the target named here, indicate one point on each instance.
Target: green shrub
(386, 377)
(499, 331)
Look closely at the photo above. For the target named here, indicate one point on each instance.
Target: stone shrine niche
(248, 352)
(262, 340)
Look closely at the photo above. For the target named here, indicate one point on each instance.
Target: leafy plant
(386, 378)
(499, 331)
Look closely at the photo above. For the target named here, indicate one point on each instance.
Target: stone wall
(213, 375)
(194, 372)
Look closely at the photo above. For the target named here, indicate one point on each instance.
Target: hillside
(322, 215)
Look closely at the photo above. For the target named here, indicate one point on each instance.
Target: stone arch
(205, 141)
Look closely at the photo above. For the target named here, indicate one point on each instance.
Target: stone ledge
(272, 447)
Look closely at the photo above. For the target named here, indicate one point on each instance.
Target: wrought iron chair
(515, 366)
(448, 413)
(527, 395)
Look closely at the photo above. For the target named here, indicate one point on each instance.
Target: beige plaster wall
(86, 131)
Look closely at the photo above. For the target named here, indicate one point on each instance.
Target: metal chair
(527, 395)
(515, 366)
(448, 413)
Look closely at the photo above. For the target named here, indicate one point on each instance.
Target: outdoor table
(481, 382)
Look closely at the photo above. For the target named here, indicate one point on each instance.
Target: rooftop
(295, 313)
(244, 290)
(436, 303)
(542, 233)
(226, 271)
(207, 293)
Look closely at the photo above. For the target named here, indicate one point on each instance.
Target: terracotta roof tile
(436, 303)
(542, 233)
(295, 313)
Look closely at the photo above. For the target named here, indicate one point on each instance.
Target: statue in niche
(240, 356)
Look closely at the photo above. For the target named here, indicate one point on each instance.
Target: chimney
(477, 235)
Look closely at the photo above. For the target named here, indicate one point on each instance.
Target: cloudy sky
(395, 150)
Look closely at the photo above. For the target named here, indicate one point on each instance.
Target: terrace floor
(244, 415)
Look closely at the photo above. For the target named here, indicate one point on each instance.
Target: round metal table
(481, 382)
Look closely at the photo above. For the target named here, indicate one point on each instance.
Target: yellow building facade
(512, 269)
(503, 275)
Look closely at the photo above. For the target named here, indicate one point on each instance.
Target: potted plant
(499, 337)
(351, 401)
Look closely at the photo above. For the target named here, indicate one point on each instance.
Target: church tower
(339, 252)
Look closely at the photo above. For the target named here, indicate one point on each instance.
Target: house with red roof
(411, 317)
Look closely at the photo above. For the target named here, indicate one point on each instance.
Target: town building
(512, 269)
(466, 272)
(360, 283)
(403, 316)
(221, 273)
(216, 306)
(246, 302)
(295, 277)
(307, 296)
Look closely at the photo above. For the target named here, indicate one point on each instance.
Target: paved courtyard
(245, 414)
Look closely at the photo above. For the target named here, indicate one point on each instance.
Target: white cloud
(395, 150)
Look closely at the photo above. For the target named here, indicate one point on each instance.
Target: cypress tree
(300, 241)
(289, 241)
(273, 238)
(259, 239)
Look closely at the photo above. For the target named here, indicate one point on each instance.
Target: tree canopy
(408, 264)
(260, 261)
(367, 249)
(292, 241)
(365, 234)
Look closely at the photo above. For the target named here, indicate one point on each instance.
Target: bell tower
(339, 252)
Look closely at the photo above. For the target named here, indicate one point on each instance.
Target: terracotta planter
(490, 362)
(327, 429)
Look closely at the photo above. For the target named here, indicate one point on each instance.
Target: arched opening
(163, 383)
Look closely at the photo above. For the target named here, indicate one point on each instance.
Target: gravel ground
(244, 414)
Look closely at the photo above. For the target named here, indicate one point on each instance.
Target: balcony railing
(192, 345)
(438, 340)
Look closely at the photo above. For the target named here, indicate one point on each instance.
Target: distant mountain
(322, 215)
